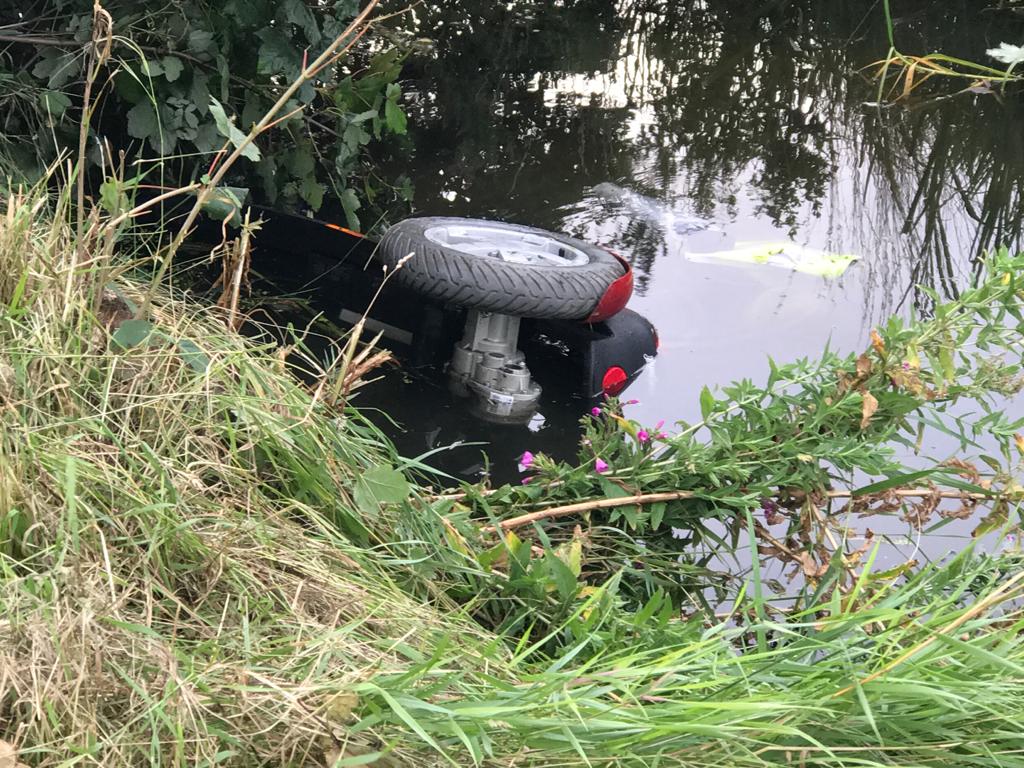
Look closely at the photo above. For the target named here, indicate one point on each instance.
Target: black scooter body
(335, 270)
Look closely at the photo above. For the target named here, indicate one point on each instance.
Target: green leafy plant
(819, 440)
(184, 77)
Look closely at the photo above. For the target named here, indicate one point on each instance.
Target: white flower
(1008, 54)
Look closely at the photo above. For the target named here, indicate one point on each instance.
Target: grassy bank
(204, 562)
(175, 582)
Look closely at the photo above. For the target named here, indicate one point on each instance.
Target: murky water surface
(759, 117)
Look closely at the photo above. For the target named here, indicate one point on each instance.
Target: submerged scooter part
(488, 366)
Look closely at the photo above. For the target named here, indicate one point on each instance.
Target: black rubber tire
(493, 285)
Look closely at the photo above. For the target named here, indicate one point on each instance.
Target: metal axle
(488, 366)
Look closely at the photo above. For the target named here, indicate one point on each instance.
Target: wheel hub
(507, 245)
(488, 366)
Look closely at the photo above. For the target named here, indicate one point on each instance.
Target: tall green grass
(175, 583)
(193, 572)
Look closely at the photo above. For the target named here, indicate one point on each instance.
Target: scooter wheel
(496, 267)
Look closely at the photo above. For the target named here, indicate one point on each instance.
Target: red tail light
(617, 294)
(614, 381)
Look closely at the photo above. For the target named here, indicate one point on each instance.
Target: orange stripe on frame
(340, 228)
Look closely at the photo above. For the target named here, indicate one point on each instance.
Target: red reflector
(657, 339)
(616, 296)
(614, 381)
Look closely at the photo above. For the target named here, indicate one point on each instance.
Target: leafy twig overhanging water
(817, 432)
(335, 50)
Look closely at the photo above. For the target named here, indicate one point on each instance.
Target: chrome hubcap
(507, 245)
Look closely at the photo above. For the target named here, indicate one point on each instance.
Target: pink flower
(772, 513)
(525, 461)
(600, 466)
(526, 480)
(643, 436)
(632, 402)
(595, 411)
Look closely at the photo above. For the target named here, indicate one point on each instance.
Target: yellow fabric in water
(787, 255)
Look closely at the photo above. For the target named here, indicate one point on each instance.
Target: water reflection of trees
(749, 89)
(481, 112)
(530, 102)
(955, 175)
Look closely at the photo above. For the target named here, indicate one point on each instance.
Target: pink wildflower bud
(525, 461)
(600, 466)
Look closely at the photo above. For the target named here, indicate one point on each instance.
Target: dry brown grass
(175, 589)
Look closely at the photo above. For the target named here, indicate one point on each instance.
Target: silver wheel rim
(508, 245)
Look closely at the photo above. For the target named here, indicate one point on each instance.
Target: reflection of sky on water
(760, 122)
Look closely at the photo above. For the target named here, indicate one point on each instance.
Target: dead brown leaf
(769, 550)
(907, 378)
(772, 516)
(9, 756)
(791, 497)
(113, 310)
(883, 503)
(966, 470)
(863, 366)
(852, 559)
(843, 384)
(964, 511)
(869, 404)
(811, 568)
(919, 514)
(339, 707)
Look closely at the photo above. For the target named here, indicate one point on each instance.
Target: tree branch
(552, 513)
(34, 40)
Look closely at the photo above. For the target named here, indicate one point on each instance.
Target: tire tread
(545, 292)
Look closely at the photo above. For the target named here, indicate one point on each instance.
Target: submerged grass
(190, 577)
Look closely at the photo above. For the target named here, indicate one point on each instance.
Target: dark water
(758, 115)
